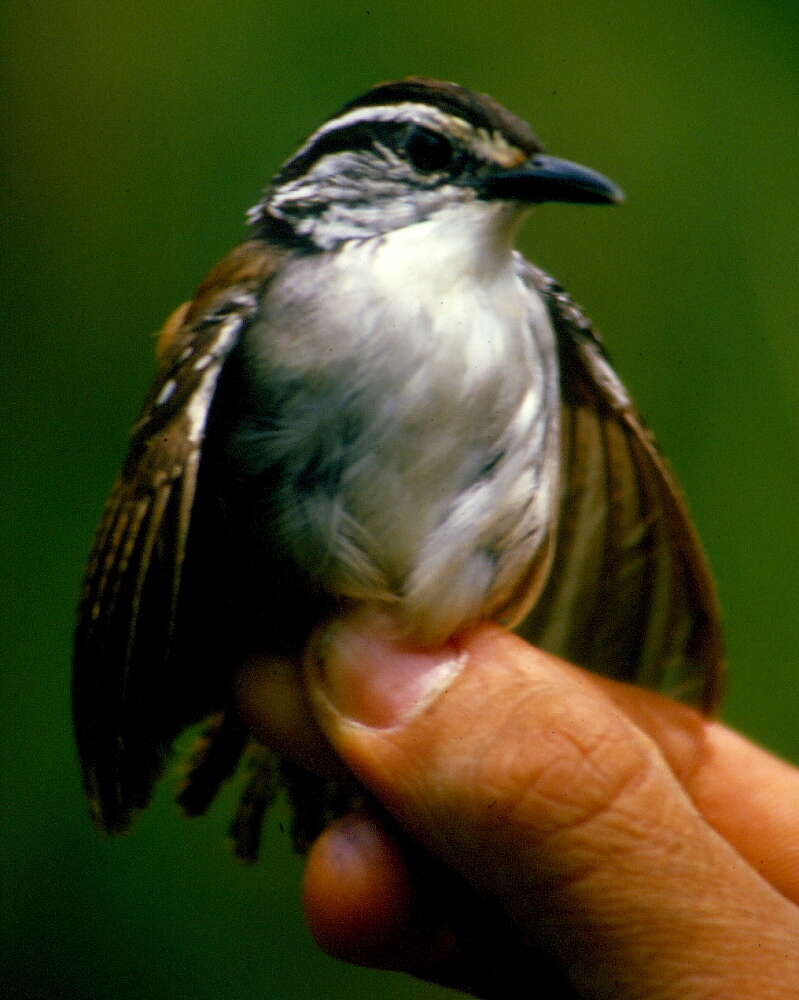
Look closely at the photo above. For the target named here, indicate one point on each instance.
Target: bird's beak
(547, 178)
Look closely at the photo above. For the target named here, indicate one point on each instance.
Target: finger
(752, 799)
(368, 899)
(362, 897)
(371, 898)
(748, 795)
(518, 773)
(719, 768)
(271, 699)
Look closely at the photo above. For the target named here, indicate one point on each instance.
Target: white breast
(418, 377)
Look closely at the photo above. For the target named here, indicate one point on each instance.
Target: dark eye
(428, 150)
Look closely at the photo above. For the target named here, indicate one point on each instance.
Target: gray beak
(547, 178)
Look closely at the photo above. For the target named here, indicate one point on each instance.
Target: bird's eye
(428, 150)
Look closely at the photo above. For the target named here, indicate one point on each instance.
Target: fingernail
(370, 676)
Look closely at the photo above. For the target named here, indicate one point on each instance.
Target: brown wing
(127, 704)
(630, 592)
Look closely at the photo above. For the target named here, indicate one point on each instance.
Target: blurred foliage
(135, 137)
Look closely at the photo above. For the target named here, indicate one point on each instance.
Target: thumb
(518, 772)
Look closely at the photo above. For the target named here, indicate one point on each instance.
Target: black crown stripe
(479, 110)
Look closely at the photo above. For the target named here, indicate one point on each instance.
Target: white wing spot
(202, 362)
(166, 393)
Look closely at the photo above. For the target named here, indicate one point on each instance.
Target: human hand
(547, 833)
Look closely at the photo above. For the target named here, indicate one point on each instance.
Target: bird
(376, 400)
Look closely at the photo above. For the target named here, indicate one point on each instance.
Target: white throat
(458, 249)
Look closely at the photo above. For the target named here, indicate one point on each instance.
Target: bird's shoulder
(580, 344)
(245, 269)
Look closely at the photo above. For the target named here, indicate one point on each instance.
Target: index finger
(746, 793)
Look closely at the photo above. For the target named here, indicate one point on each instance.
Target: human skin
(538, 831)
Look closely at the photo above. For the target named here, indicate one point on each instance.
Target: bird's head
(405, 152)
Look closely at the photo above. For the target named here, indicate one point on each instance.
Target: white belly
(411, 415)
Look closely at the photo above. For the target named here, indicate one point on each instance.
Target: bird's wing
(630, 593)
(128, 705)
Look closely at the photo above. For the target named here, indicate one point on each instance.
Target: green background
(136, 135)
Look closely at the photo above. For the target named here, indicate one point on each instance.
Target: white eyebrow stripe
(490, 145)
(408, 111)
